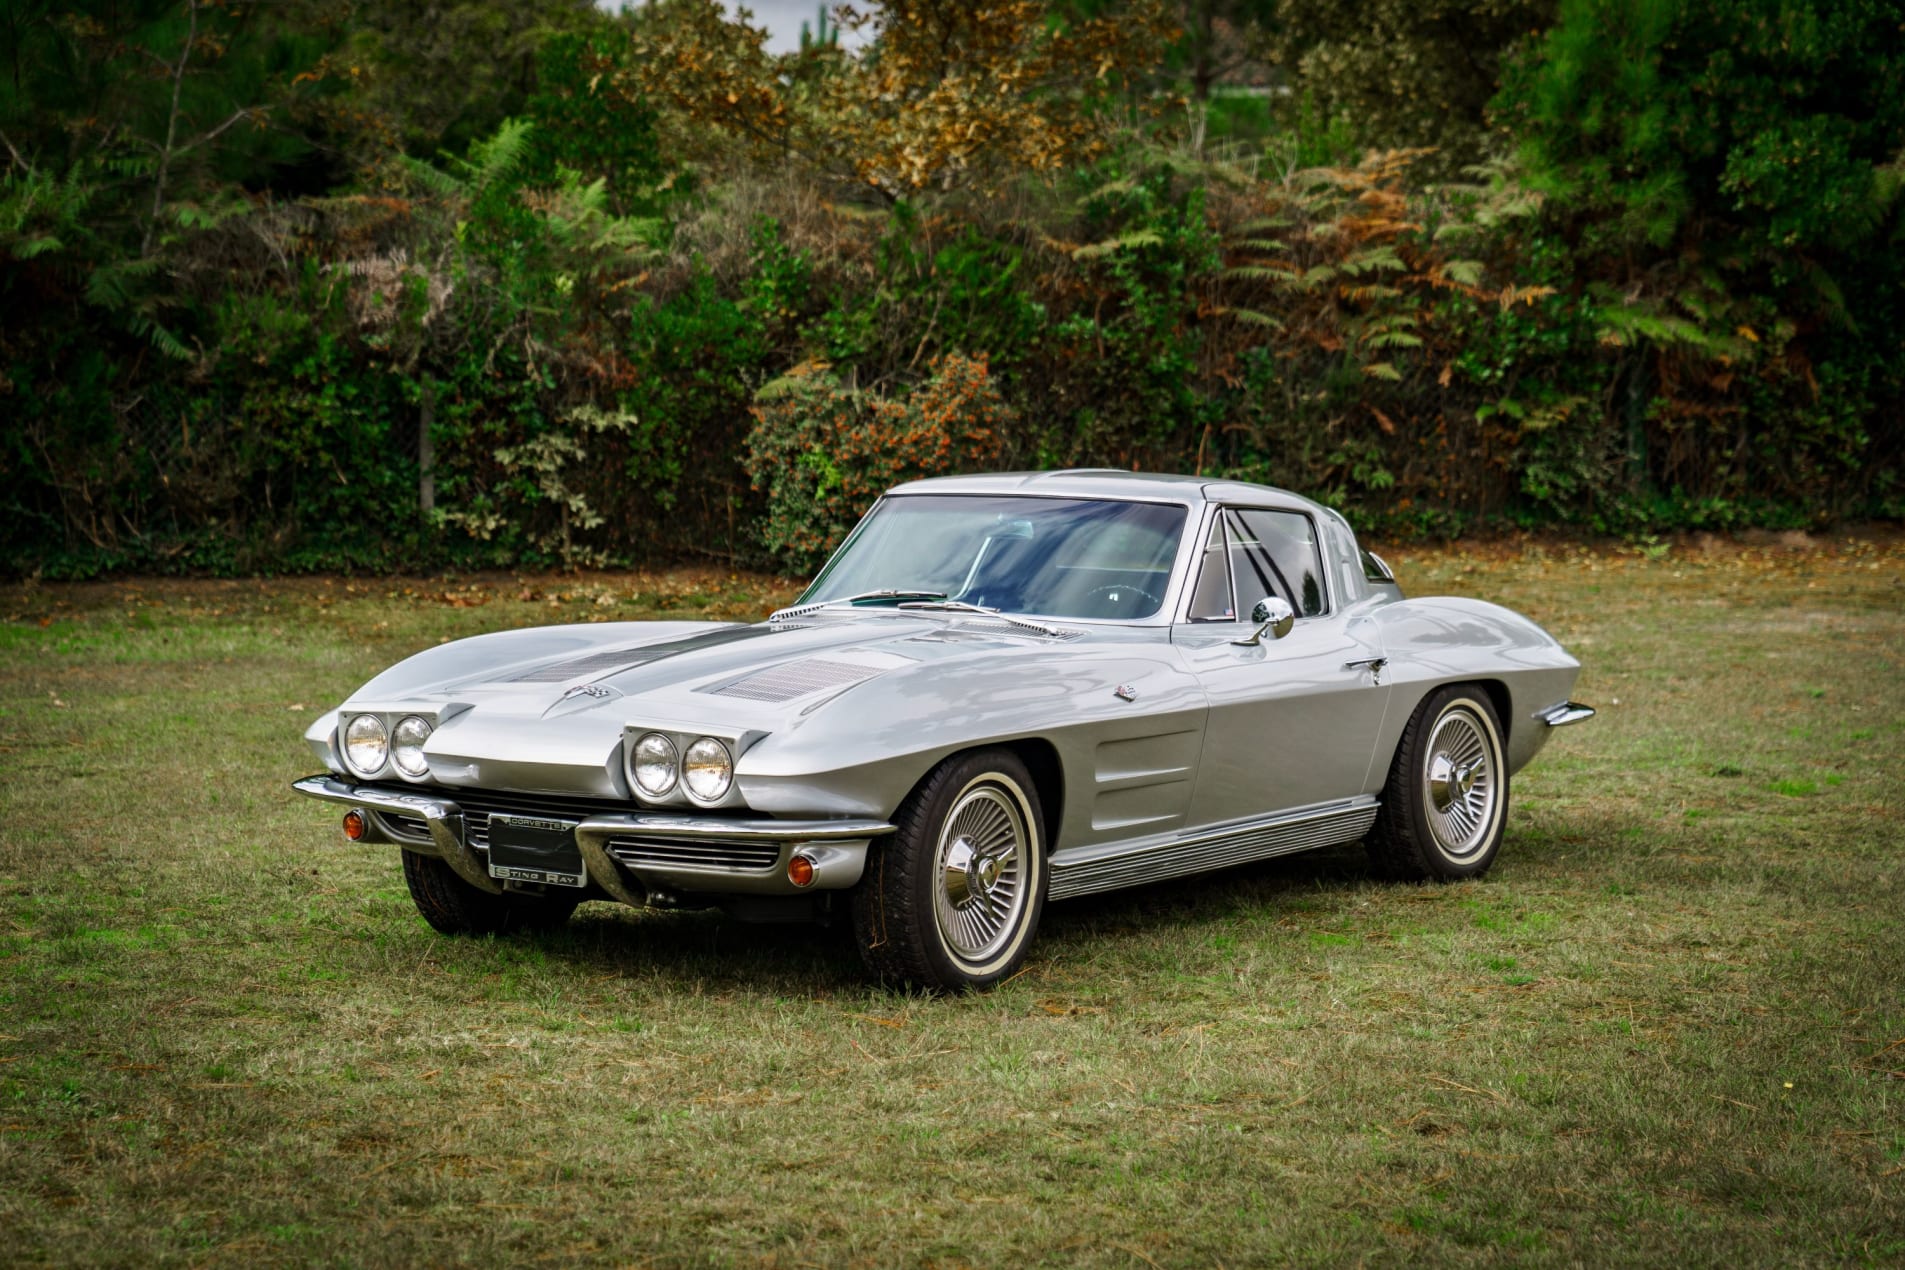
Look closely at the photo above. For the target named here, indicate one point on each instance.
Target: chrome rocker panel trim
(610, 845)
(1156, 859)
(1560, 716)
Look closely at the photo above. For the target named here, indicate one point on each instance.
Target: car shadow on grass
(718, 953)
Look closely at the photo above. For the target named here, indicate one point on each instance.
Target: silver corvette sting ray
(1001, 690)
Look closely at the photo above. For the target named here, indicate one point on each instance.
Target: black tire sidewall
(1438, 705)
(907, 865)
(453, 907)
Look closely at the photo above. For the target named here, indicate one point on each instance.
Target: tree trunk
(427, 451)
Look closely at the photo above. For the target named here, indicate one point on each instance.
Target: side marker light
(800, 870)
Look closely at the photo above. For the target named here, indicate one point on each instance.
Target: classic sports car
(1001, 690)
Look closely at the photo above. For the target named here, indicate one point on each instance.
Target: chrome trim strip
(1560, 716)
(603, 873)
(688, 828)
(838, 861)
(839, 845)
(1154, 860)
(444, 818)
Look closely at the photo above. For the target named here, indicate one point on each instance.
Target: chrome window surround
(1187, 588)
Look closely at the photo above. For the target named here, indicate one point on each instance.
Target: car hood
(547, 708)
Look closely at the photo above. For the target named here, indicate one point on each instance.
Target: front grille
(695, 853)
(477, 804)
(409, 826)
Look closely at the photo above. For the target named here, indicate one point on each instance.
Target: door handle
(1373, 665)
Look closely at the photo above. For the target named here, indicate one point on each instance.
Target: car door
(1293, 721)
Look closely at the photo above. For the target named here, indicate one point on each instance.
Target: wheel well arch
(1499, 697)
(1041, 759)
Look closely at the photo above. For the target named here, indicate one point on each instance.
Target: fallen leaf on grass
(874, 1018)
(1063, 1009)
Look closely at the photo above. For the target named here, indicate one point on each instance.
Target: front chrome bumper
(611, 844)
(1565, 713)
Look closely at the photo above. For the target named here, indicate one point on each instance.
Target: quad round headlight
(653, 764)
(366, 744)
(406, 745)
(707, 769)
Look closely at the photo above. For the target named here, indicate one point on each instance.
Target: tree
(1776, 126)
(1405, 73)
(947, 94)
(443, 73)
(164, 102)
(1725, 177)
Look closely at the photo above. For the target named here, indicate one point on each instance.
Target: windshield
(1053, 557)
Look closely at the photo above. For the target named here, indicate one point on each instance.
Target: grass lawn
(1668, 1028)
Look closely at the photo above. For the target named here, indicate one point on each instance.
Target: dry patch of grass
(1669, 1026)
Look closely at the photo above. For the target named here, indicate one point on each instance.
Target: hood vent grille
(794, 679)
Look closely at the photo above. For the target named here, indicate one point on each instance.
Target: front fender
(1438, 640)
(862, 752)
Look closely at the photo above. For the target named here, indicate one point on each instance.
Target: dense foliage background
(318, 283)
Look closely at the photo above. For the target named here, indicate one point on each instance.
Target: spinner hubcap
(981, 871)
(1461, 782)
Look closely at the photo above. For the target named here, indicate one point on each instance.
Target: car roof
(1110, 482)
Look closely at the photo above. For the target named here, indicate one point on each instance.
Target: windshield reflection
(1048, 557)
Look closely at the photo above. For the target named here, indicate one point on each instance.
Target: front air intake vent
(633, 849)
(794, 679)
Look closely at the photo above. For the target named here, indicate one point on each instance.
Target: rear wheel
(951, 901)
(454, 907)
(1446, 799)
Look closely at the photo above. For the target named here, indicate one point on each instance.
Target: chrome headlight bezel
(373, 736)
(715, 758)
(400, 747)
(672, 763)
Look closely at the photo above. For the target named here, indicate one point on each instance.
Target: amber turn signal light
(800, 870)
(355, 826)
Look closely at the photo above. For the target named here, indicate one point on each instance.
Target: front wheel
(454, 907)
(950, 902)
(1446, 799)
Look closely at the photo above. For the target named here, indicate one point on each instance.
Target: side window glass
(1276, 553)
(1210, 599)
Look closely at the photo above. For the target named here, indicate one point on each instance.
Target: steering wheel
(1114, 592)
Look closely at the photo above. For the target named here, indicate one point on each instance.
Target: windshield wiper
(886, 593)
(943, 605)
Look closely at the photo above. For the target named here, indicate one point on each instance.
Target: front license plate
(532, 849)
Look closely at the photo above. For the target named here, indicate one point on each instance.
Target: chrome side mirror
(1274, 617)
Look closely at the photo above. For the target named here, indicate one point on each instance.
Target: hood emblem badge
(1125, 692)
(599, 691)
